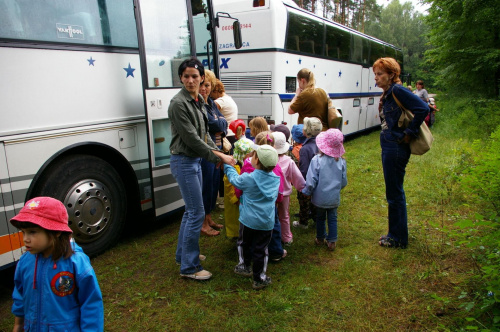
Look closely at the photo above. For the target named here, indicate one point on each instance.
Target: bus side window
(11, 25)
(103, 22)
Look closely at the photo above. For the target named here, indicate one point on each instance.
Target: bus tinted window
(338, 43)
(357, 49)
(377, 51)
(304, 35)
(96, 22)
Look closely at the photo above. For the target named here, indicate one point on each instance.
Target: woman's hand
(226, 159)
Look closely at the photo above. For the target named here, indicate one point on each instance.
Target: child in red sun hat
(54, 283)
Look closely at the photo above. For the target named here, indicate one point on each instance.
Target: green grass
(358, 287)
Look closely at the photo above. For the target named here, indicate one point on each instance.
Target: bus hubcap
(89, 209)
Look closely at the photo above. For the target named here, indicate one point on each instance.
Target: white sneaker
(200, 275)
(299, 225)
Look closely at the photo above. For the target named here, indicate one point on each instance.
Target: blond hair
(210, 77)
(257, 125)
(308, 76)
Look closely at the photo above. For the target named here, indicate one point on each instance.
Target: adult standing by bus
(217, 128)
(394, 142)
(309, 101)
(421, 92)
(190, 143)
(227, 107)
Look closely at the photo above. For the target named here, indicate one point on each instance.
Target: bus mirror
(237, 34)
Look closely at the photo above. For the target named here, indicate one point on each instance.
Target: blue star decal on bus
(357, 84)
(91, 61)
(340, 73)
(129, 70)
(300, 61)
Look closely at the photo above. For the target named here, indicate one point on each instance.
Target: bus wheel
(94, 195)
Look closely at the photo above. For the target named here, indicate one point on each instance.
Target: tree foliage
(465, 39)
(400, 25)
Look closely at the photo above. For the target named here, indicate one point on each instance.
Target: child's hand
(18, 324)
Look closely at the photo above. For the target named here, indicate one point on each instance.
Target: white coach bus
(84, 92)
(279, 39)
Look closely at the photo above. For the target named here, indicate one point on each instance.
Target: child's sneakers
(299, 225)
(278, 258)
(288, 244)
(261, 283)
(242, 270)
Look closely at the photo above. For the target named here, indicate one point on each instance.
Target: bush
(470, 118)
(482, 233)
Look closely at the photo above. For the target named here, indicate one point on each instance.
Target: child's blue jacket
(325, 178)
(260, 191)
(60, 296)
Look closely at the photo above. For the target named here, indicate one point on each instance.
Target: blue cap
(297, 134)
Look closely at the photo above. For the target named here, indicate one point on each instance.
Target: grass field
(358, 287)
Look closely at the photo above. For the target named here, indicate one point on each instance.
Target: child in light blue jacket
(257, 213)
(326, 176)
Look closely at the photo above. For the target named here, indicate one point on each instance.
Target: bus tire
(94, 195)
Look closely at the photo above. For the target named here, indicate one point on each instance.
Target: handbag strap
(397, 102)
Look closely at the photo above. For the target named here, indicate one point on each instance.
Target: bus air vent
(248, 81)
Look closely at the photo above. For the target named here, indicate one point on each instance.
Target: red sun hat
(46, 212)
(235, 124)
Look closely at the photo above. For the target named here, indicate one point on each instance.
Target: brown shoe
(332, 246)
(319, 242)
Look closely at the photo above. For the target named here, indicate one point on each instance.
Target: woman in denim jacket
(394, 142)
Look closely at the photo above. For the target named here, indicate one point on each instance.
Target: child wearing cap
(276, 251)
(257, 213)
(326, 176)
(298, 139)
(312, 127)
(292, 176)
(242, 150)
(54, 283)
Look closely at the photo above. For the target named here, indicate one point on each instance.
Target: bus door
(363, 109)
(10, 238)
(167, 36)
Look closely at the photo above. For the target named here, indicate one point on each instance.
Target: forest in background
(455, 49)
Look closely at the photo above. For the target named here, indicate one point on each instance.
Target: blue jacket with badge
(58, 296)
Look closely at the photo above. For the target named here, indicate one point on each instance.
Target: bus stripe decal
(289, 96)
(10, 242)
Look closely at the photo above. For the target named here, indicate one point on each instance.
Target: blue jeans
(330, 215)
(395, 157)
(275, 247)
(187, 173)
(211, 183)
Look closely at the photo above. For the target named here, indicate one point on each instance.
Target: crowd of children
(256, 200)
(258, 190)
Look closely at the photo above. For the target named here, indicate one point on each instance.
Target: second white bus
(279, 39)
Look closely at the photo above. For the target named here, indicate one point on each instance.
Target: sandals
(216, 226)
(210, 232)
(388, 242)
